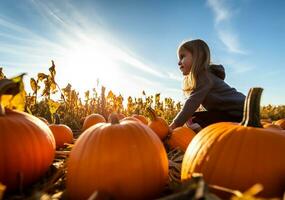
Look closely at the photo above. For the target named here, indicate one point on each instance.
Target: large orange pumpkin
(92, 120)
(180, 138)
(62, 134)
(158, 124)
(126, 160)
(237, 156)
(27, 148)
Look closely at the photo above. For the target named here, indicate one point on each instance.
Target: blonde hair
(201, 60)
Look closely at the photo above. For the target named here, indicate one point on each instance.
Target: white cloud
(223, 14)
(220, 10)
(231, 41)
(238, 67)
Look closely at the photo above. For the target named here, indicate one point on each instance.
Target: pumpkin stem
(251, 112)
(152, 113)
(114, 119)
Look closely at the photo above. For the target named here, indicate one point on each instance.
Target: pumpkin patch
(131, 156)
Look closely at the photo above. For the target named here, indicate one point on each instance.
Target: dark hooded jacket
(214, 94)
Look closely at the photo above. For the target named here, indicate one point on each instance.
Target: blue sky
(131, 45)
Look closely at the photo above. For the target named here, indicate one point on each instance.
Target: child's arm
(191, 104)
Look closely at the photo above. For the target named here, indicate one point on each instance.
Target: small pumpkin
(237, 156)
(62, 134)
(124, 159)
(158, 124)
(180, 138)
(92, 120)
(27, 148)
(142, 118)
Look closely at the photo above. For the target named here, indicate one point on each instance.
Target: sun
(85, 62)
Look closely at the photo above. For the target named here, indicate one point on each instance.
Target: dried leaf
(53, 106)
(110, 95)
(53, 86)
(13, 93)
(2, 74)
(42, 76)
(250, 193)
(34, 85)
(254, 190)
(52, 70)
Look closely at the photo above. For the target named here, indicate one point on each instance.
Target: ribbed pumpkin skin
(126, 160)
(62, 134)
(92, 120)
(181, 138)
(27, 148)
(238, 157)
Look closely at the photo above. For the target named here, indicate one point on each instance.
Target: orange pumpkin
(281, 123)
(126, 160)
(62, 134)
(239, 156)
(142, 118)
(92, 120)
(27, 148)
(180, 138)
(158, 124)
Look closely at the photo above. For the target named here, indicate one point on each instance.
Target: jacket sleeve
(193, 102)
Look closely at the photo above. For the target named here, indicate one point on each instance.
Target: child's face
(185, 61)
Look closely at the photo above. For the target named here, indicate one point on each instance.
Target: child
(204, 85)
